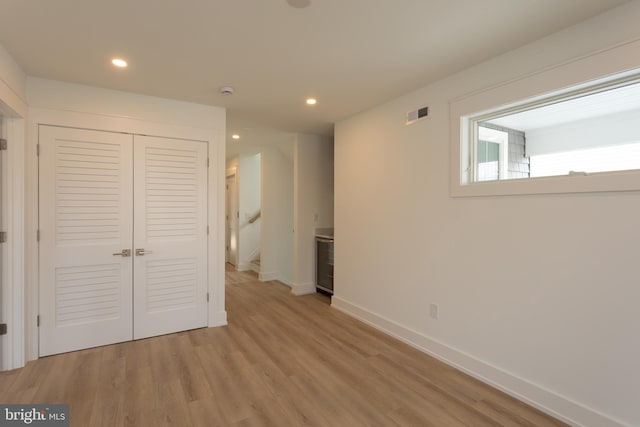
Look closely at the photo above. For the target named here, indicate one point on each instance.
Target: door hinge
(3, 144)
(3, 237)
(3, 329)
(38, 150)
(207, 296)
(37, 235)
(207, 230)
(38, 321)
(207, 162)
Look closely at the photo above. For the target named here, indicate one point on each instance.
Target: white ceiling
(350, 54)
(607, 103)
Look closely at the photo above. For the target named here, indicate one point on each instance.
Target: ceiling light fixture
(119, 62)
(235, 136)
(312, 101)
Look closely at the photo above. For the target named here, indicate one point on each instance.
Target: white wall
(59, 103)
(277, 216)
(14, 108)
(537, 294)
(614, 129)
(313, 204)
(49, 94)
(12, 84)
(249, 188)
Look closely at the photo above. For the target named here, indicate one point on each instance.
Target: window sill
(591, 183)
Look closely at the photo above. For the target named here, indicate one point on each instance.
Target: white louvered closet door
(85, 203)
(170, 235)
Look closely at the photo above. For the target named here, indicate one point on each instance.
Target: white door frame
(13, 262)
(216, 181)
(233, 257)
(4, 346)
(14, 111)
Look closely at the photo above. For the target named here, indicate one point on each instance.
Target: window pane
(500, 153)
(618, 158)
(594, 131)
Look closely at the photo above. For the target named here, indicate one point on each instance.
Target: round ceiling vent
(227, 90)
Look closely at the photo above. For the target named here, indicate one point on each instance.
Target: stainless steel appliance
(324, 264)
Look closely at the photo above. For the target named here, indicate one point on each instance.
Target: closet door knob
(141, 252)
(124, 253)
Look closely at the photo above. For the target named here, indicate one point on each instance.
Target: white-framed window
(571, 128)
(589, 130)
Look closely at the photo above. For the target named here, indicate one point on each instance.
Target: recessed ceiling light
(119, 62)
(312, 101)
(235, 136)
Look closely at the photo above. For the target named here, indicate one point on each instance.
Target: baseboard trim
(243, 266)
(299, 289)
(219, 318)
(558, 406)
(289, 283)
(265, 277)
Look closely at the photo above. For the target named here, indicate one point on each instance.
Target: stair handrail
(255, 217)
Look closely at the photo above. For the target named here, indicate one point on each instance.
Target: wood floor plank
(171, 408)
(53, 384)
(82, 384)
(109, 408)
(7, 380)
(30, 377)
(205, 413)
(190, 371)
(282, 361)
(228, 397)
(139, 407)
(419, 392)
(297, 403)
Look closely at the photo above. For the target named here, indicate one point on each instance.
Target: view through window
(581, 132)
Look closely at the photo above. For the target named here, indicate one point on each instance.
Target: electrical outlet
(433, 311)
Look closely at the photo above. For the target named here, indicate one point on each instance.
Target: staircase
(255, 264)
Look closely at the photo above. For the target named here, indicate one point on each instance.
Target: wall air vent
(419, 114)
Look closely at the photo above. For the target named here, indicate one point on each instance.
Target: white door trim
(15, 240)
(13, 255)
(233, 229)
(216, 180)
(13, 288)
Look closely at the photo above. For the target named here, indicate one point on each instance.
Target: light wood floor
(282, 361)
